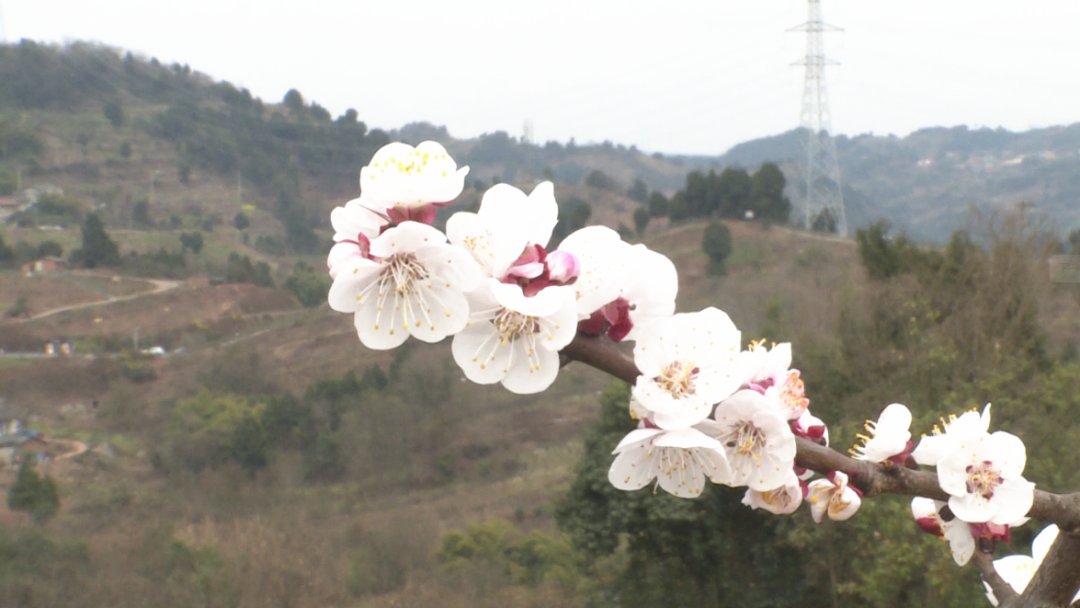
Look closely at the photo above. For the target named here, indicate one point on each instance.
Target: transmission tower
(823, 196)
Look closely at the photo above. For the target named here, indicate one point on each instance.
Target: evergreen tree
(767, 194)
(98, 249)
(641, 219)
(639, 191)
(733, 192)
(717, 245)
(33, 493)
(658, 205)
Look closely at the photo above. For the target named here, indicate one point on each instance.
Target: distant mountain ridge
(52, 129)
(926, 183)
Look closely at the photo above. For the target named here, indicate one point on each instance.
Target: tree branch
(1056, 581)
(1058, 578)
(1005, 594)
(871, 478)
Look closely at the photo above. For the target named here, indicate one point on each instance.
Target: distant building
(44, 265)
(8, 207)
(14, 434)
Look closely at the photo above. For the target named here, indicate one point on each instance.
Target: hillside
(220, 437)
(492, 455)
(925, 184)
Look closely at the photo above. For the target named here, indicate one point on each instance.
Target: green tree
(210, 429)
(1074, 241)
(140, 214)
(309, 286)
(8, 182)
(638, 191)
(7, 254)
(658, 205)
(192, 241)
(598, 179)
(825, 221)
(573, 214)
(716, 244)
(98, 249)
(249, 446)
(733, 187)
(114, 112)
(49, 248)
(241, 221)
(767, 198)
(239, 269)
(294, 101)
(33, 493)
(641, 220)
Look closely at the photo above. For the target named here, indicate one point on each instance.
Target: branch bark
(1056, 581)
(1005, 594)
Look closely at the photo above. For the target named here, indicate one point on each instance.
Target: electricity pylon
(822, 203)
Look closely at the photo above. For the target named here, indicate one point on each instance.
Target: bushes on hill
(33, 493)
(308, 285)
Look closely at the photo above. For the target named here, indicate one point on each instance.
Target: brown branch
(870, 478)
(1058, 578)
(1056, 581)
(1005, 594)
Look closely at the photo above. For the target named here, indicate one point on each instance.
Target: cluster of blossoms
(491, 280)
(707, 408)
(982, 472)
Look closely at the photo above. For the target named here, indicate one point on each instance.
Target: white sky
(680, 76)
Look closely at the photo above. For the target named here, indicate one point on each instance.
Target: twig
(1005, 594)
(870, 478)
(1056, 581)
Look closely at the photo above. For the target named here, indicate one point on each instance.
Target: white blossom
(758, 441)
(514, 339)
(402, 176)
(506, 224)
(983, 477)
(927, 514)
(833, 497)
(412, 283)
(680, 461)
(687, 363)
(888, 437)
(780, 500)
(953, 433)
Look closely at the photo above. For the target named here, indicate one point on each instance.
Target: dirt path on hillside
(77, 448)
(160, 285)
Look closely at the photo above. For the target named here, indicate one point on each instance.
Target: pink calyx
(612, 318)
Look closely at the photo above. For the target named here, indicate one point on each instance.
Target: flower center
(511, 325)
(793, 393)
(746, 439)
(778, 498)
(983, 479)
(404, 270)
(677, 378)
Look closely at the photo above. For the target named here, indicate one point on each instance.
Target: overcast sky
(681, 76)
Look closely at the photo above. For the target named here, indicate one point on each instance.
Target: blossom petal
(528, 379)
(480, 354)
(632, 469)
(961, 541)
(1013, 499)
